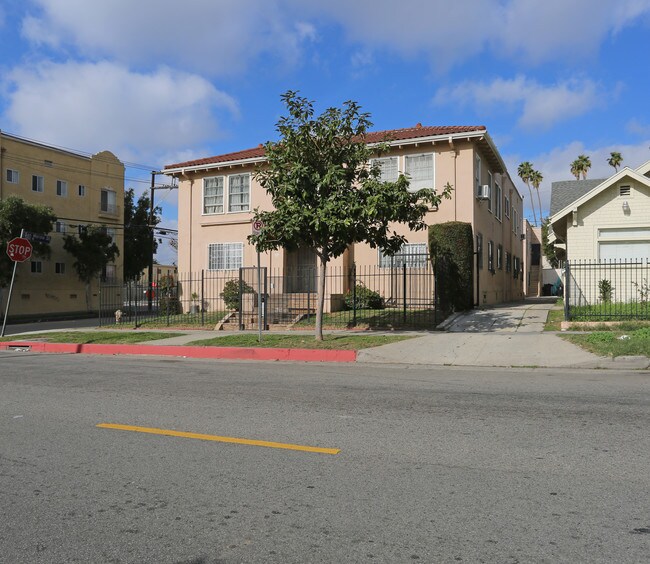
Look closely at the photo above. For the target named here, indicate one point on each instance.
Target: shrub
(363, 298)
(230, 294)
(605, 290)
(451, 246)
(169, 305)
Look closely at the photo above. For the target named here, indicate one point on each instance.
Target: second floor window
(388, 167)
(37, 183)
(108, 201)
(213, 195)
(61, 188)
(239, 192)
(81, 190)
(13, 176)
(420, 170)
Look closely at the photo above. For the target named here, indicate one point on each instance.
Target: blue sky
(160, 81)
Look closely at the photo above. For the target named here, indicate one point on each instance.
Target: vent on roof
(624, 190)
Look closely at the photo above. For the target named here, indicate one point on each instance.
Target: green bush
(230, 294)
(451, 246)
(169, 305)
(363, 298)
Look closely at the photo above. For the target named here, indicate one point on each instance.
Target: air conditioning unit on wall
(483, 192)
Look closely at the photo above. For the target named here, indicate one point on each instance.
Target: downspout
(455, 157)
(2, 176)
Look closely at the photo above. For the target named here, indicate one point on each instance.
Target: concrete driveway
(509, 335)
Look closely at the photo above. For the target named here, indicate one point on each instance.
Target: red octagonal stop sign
(19, 249)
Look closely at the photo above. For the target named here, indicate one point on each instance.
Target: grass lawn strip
(333, 342)
(614, 342)
(93, 337)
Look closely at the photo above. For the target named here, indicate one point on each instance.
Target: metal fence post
(202, 294)
(241, 318)
(354, 295)
(567, 290)
(404, 287)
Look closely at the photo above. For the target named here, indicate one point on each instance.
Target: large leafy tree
(615, 160)
(92, 250)
(137, 233)
(524, 171)
(550, 252)
(324, 193)
(16, 214)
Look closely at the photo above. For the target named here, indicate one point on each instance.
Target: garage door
(624, 250)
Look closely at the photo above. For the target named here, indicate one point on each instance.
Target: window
(109, 272)
(490, 184)
(37, 183)
(477, 174)
(108, 201)
(500, 257)
(497, 201)
(508, 262)
(239, 192)
(37, 267)
(61, 188)
(81, 190)
(420, 170)
(411, 255)
(624, 243)
(625, 191)
(479, 250)
(48, 163)
(59, 227)
(506, 206)
(515, 221)
(388, 167)
(491, 256)
(59, 268)
(225, 256)
(213, 195)
(13, 176)
(110, 232)
(515, 269)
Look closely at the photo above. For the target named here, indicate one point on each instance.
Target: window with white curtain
(497, 201)
(389, 168)
(420, 170)
(239, 192)
(213, 195)
(413, 255)
(225, 256)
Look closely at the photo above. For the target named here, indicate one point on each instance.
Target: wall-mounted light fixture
(626, 207)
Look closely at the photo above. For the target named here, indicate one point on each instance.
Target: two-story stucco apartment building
(81, 190)
(217, 195)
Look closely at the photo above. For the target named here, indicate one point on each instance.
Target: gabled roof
(392, 136)
(594, 191)
(565, 192)
(644, 168)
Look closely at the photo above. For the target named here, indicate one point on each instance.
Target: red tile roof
(372, 137)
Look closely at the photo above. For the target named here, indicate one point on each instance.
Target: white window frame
(624, 236)
(110, 207)
(12, 176)
(36, 267)
(414, 255)
(416, 184)
(59, 268)
(61, 188)
(506, 205)
(218, 200)
(38, 183)
(242, 206)
(225, 256)
(59, 226)
(81, 190)
(498, 210)
(381, 161)
(515, 221)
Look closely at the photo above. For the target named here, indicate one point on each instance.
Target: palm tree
(524, 170)
(576, 169)
(585, 165)
(615, 160)
(536, 179)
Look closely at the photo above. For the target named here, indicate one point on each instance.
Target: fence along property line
(370, 296)
(607, 290)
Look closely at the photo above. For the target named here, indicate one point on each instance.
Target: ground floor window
(413, 255)
(225, 256)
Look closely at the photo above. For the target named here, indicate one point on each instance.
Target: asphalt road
(16, 328)
(435, 464)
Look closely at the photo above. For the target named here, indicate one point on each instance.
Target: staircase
(534, 287)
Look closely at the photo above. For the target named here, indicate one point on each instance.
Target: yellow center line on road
(217, 438)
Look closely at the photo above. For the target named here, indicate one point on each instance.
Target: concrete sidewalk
(506, 336)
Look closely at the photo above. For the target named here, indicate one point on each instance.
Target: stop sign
(19, 249)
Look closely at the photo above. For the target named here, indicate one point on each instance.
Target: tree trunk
(539, 199)
(87, 296)
(320, 301)
(532, 203)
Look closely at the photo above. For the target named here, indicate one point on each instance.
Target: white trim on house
(644, 168)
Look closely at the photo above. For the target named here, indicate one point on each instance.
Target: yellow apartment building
(81, 190)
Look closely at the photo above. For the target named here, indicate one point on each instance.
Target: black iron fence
(607, 290)
(400, 296)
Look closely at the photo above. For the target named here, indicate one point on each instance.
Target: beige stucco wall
(454, 164)
(48, 292)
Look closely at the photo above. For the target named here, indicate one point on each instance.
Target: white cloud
(105, 106)
(635, 127)
(555, 164)
(540, 105)
(201, 35)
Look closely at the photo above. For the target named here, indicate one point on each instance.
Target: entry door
(300, 271)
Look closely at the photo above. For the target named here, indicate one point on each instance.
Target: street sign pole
(257, 227)
(11, 287)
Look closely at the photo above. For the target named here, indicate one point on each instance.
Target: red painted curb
(232, 353)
